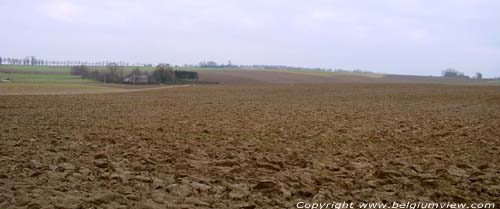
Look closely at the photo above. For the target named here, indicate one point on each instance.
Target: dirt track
(65, 89)
(251, 147)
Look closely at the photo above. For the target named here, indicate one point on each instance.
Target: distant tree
(1, 61)
(94, 74)
(32, 60)
(115, 73)
(186, 75)
(479, 75)
(452, 73)
(164, 74)
(208, 64)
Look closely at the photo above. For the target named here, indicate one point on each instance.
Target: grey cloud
(409, 37)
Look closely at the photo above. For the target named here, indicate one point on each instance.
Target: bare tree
(32, 60)
(452, 73)
(479, 76)
(116, 73)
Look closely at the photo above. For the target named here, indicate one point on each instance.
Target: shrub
(186, 75)
(452, 73)
(80, 70)
(115, 74)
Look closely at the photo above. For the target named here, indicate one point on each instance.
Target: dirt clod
(257, 146)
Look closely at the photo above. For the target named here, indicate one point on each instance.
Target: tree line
(113, 73)
(452, 73)
(33, 61)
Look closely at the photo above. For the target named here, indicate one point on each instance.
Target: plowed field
(267, 146)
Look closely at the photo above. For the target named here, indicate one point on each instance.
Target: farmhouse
(136, 79)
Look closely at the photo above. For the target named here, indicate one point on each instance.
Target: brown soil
(271, 77)
(246, 77)
(83, 88)
(221, 146)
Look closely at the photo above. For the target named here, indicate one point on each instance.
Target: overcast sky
(420, 37)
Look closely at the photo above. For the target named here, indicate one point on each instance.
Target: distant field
(36, 68)
(329, 74)
(56, 69)
(50, 84)
(41, 78)
(32, 84)
(27, 83)
(494, 81)
(58, 78)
